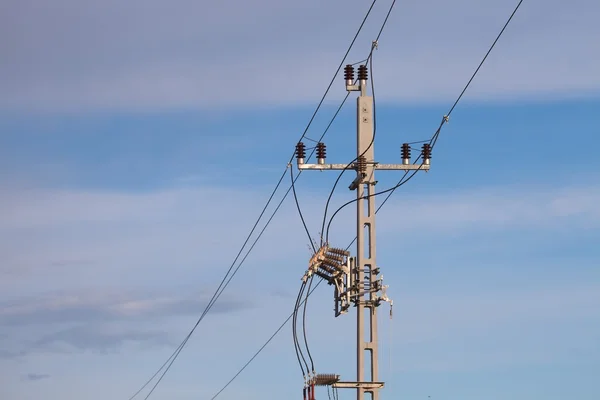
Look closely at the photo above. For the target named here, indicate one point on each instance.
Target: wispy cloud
(86, 307)
(199, 56)
(102, 339)
(82, 231)
(36, 377)
(483, 327)
(97, 320)
(100, 322)
(505, 208)
(119, 232)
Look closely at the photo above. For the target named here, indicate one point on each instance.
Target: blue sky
(139, 142)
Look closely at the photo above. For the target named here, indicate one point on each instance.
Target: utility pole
(357, 280)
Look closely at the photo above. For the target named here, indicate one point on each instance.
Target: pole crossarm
(357, 280)
(377, 166)
(354, 385)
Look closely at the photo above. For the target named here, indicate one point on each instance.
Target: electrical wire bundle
(237, 262)
(306, 289)
(405, 178)
(307, 374)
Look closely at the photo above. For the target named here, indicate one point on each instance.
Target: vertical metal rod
(366, 256)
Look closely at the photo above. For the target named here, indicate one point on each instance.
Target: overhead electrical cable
(297, 346)
(262, 347)
(312, 364)
(310, 240)
(224, 283)
(432, 142)
(390, 191)
(368, 60)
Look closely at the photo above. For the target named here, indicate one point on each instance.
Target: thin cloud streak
(36, 377)
(83, 307)
(225, 55)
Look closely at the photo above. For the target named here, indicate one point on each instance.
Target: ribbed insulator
(334, 255)
(361, 164)
(362, 73)
(426, 151)
(349, 73)
(335, 261)
(300, 150)
(321, 150)
(331, 263)
(339, 251)
(328, 267)
(406, 151)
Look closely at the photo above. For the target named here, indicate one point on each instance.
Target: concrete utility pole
(357, 280)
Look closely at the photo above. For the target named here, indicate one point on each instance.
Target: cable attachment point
(426, 153)
(446, 118)
(405, 151)
(300, 152)
(321, 153)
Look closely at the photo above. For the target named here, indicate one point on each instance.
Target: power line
(369, 60)
(433, 140)
(300, 211)
(297, 346)
(485, 57)
(263, 346)
(312, 364)
(390, 191)
(225, 281)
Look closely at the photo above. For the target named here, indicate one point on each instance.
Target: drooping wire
(174, 355)
(351, 162)
(284, 323)
(400, 183)
(436, 135)
(312, 364)
(390, 191)
(167, 364)
(369, 60)
(299, 353)
(293, 180)
(300, 210)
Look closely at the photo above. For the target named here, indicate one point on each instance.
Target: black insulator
(300, 150)
(321, 150)
(426, 151)
(406, 151)
(349, 72)
(362, 72)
